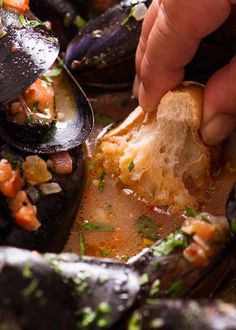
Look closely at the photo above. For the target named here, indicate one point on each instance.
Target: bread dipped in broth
(160, 156)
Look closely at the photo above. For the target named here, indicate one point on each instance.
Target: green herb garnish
(155, 289)
(103, 119)
(174, 240)
(102, 180)
(105, 252)
(96, 227)
(29, 24)
(189, 212)
(15, 163)
(52, 39)
(175, 289)
(1, 3)
(91, 165)
(27, 272)
(79, 22)
(147, 227)
(143, 279)
(233, 225)
(134, 322)
(82, 244)
(53, 73)
(35, 106)
(131, 166)
(125, 257)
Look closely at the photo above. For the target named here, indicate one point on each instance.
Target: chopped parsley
(53, 73)
(155, 289)
(52, 39)
(105, 252)
(91, 226)
(15, 163)
(175, 289)
(134, 322)
(1, 3)
(131, 166)
(190, 212)
(86, 317)
(102, 180)
(82, 244)
(147, 227)
(174, 240)
(143, 279)
(27, 272)
(233, 225)
(35, 106)
(29, 23)
(79, 22)
(125, 257)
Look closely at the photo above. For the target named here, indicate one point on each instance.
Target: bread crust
(160, 155)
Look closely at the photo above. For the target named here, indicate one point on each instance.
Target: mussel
(103, 294)
(111, 39)
(34, 133)
(108, 39)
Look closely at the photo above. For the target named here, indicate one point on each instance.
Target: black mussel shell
(27, 49)
(107, 40)
(54, 137)
(231, 209)
(63, 15)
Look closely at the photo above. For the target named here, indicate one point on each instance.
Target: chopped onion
(33, 194)
(139, 11)
(50, 188)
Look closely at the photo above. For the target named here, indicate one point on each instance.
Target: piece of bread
(160, 156)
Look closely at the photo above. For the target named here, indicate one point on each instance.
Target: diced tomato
(5, 171)
(24, 212)
(196, 255)
(62, 162)
(198, 226)
(26, 218)
(10, 187)
(21, 6)
(40, 97)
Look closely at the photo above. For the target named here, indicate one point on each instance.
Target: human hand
(171, 33)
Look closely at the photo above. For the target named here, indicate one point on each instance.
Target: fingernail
(217, 129)
(145, 100)
(136, 86)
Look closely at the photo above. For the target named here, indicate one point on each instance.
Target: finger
(219, 116)
(172, 42)
(148, 22)
(136, 86)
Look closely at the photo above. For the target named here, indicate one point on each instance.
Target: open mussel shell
(27, 49)
(106, 40)
(60, 135)
(231, 209)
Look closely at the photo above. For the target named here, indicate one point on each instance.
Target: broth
(118, 208)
